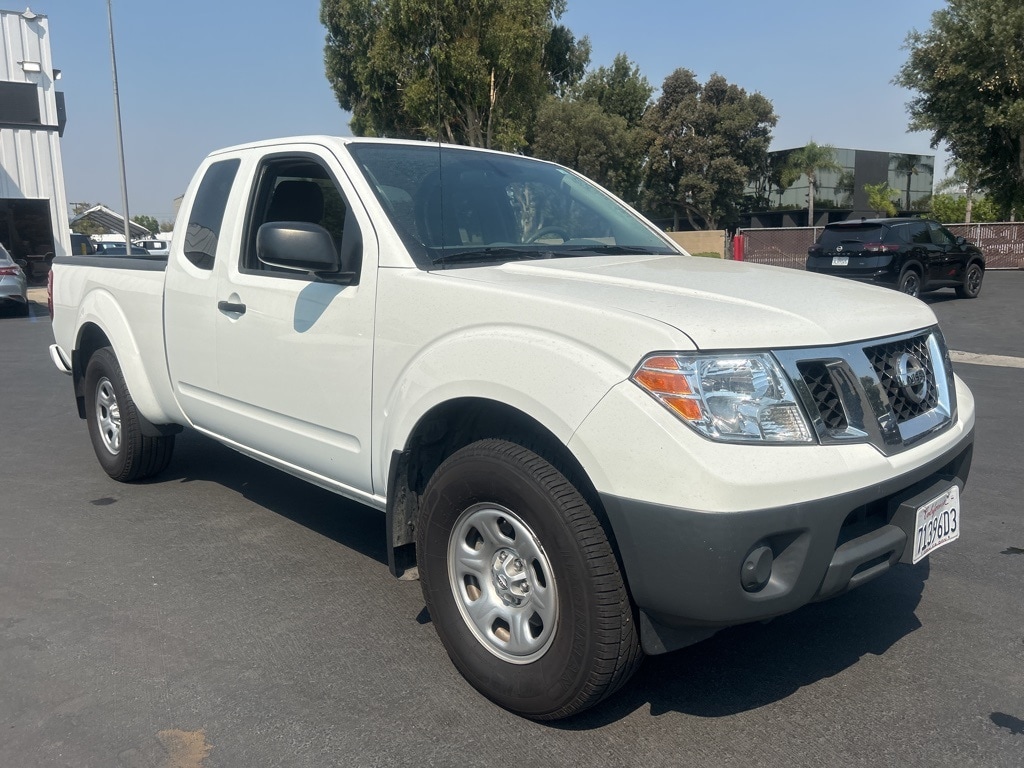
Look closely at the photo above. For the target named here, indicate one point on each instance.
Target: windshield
(456, 206)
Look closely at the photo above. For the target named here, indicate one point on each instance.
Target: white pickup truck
(588, 444)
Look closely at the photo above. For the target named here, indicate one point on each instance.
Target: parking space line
(1002, 361)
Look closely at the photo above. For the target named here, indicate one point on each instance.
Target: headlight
(741, 398)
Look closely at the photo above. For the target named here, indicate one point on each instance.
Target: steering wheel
(552, 230)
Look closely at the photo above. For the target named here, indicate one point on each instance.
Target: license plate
(840, 261)
(938, 523)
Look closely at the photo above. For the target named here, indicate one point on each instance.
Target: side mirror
(298, 246)
(961, 240)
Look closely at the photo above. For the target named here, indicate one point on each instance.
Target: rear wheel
(972, 282)
(910, 283)
(522, 584)
(114, 424)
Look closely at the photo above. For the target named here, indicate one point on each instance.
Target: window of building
(19, 103)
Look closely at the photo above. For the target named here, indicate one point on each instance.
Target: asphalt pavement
(226, 614)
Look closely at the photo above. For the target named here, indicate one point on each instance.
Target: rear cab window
(207, 213)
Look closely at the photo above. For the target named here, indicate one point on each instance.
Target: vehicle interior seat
(297, 200)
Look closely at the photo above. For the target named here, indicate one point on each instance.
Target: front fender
(552, 378)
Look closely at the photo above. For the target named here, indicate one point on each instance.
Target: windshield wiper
(612, 250)
(490, 255)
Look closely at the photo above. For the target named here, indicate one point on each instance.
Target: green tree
(965, 176)
(952, 209)
(705, 143)
(767, 181)
(620, 90)
(148, 222)
(464, 71)
(882, 198)
(595, 129)
(968, 72)
(808, 161)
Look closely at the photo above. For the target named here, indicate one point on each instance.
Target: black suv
(911, 255)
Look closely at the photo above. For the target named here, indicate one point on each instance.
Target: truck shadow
(737, 670)
(747, 667)
(351, 524)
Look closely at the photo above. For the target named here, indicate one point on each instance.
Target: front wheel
(122, 450)
(910, 283)
(972, 282)
(522, 584)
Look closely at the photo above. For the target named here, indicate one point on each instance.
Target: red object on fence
(738, 242)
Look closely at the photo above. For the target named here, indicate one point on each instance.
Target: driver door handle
(228, 306)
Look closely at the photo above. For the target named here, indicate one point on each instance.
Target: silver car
(13, 285)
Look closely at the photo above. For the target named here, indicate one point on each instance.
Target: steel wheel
(108, 416)
(115, 427)
(503, 583)
(521, 582)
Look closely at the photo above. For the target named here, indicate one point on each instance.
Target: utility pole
(120, 142)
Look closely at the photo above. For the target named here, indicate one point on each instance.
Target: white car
(155, 247)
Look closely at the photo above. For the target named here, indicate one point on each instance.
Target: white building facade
(33, 203)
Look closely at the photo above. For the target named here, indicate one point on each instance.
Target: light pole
(120, 141)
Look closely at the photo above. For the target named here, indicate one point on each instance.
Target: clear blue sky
(196, 75)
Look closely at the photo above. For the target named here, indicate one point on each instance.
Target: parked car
(155, 247)
(118, 249)
(13, 284)
(911, 255)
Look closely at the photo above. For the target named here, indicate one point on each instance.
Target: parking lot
(226, 614)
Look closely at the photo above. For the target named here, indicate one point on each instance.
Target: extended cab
(588, 445)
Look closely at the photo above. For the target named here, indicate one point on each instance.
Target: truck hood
(717, 304)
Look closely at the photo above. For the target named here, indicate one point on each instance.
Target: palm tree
(909, 166)
(964, 176)
(807, 161)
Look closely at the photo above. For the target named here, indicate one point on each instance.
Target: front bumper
(685, 567)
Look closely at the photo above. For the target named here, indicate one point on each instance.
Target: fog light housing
(757, 568)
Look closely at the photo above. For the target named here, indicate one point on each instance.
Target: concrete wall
(707, 241)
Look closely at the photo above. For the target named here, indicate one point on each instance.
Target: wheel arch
(92, 337)
(913, 265)
(446, 428)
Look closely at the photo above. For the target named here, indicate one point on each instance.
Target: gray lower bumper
(684, 567)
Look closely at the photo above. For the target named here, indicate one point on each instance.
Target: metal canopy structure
(112, 221)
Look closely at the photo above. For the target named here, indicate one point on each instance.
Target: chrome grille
(825, 393)
(885, 360)
(890, 392)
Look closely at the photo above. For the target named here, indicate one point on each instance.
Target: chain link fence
(1002, 243)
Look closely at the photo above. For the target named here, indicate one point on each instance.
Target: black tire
(122, 450)
(972, 282)
(910, 283)
(576, 638)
